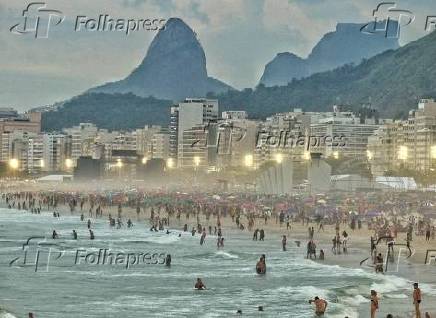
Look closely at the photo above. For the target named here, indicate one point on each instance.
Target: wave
(226, 255)
(5, 314)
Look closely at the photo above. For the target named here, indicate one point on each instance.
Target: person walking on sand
(417, 298)
(374, 303)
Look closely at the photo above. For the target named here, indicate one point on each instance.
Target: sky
(239, 37)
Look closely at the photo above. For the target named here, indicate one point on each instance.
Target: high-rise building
(346, 133)
(82, 138)
(406, 144)
(185, 116)
(160, 145)
(144, 140)
(11, 121)
(56, 152)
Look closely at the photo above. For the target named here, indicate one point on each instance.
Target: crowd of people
(385, 215)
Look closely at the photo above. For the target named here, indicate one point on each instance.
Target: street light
(119, 166)
(14, 164)
(196, 161)
(170, 163)
(248, 160)
(336, 154)
(369, 155)
(306, 155)
(144, 160)
(279, 158)
(433, 152)
(68, 163)
(42, 163)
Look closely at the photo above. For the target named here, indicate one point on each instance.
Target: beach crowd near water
(384, 224)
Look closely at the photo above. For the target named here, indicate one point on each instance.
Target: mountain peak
(346, 44)
(173, 68)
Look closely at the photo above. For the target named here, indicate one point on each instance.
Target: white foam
(225, 254)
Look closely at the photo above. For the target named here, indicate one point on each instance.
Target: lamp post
(68, 164)
(248, 160)
(170, 163)
(119, 166)
(279, 158)
(196, 164)
(14, 164)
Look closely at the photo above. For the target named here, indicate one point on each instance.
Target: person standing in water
(374, 303)
(168, 260)
(284, 243)
(203, 237)
(417, 298)
(261, 265)
(74, 235)
(320, 305)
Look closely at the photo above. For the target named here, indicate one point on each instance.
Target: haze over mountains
(347, 44)
(175, 68)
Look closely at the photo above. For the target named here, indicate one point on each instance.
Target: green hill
(111, 111)
(392, 81)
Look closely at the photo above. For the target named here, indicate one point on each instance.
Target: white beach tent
(56, 178)
(397, 183)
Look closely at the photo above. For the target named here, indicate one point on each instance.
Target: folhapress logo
(388, 19)
(37, 20)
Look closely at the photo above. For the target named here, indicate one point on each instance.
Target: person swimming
(199, 285)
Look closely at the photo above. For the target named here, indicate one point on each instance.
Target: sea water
(61, 288)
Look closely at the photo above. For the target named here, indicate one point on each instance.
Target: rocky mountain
(393, 82)
(347, 44)
(283, 68)
(174, 68)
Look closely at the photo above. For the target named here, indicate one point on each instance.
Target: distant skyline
(239, 37)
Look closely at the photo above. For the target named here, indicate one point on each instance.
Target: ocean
(72, 281)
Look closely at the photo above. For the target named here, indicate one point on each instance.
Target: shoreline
(358, 243)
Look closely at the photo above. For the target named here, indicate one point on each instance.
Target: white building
(188, 114)
(82, 138)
